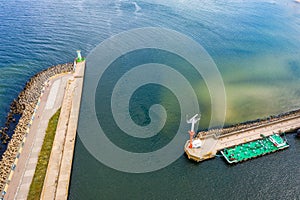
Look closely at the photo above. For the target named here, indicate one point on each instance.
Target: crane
(193, 121)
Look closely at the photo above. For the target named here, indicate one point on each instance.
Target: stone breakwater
(250, 124)
(24, 106)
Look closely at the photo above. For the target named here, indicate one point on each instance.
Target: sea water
(255, 45)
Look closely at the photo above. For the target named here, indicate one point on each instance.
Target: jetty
(56, 87)
(216, 140)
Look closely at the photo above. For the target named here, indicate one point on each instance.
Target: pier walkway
(212, 143)
(56, 183)
(50, 102)
(61, 91)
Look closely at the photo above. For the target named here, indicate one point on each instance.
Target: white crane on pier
(193, 121)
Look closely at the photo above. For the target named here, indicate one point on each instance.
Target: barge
(254, 149)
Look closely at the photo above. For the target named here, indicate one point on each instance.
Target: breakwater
(215, 140)
(250, 124)
(24, 107)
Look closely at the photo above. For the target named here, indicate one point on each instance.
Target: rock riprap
(24, 106)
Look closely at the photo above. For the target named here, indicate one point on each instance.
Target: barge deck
(254, 149)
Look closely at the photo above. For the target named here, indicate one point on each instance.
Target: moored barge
(254, 149)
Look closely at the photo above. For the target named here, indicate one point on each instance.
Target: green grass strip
(41, 168)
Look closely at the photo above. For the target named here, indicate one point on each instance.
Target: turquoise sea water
(255, 44)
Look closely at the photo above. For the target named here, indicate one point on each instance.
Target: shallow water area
(255, 45)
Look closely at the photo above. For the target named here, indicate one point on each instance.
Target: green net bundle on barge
(254, 149)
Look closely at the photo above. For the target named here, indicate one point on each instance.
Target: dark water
(275, 176)
(255, 45)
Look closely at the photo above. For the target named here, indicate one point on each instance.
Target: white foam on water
(137, 7)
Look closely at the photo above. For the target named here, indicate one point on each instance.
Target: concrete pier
(61, 90)
(212, 142)
(50, 102)
(56, 184)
